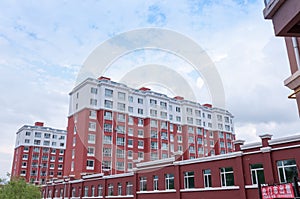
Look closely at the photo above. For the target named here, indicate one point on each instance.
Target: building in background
(285, 15)
(232, 175)
(111, 127)
(39, 153)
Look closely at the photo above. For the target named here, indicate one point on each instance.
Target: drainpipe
(296, 51)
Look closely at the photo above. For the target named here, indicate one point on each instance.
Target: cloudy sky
(43, 46)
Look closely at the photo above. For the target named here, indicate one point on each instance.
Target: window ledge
(210, 189)
(157, 191)
(121, 196)
(253, 186)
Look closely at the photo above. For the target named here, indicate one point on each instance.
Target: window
(140, 155)
(26, 149)
(107, 115)
(121, 106)
(153, 123)
(120, 129)
(227, 178)
(121, 117)
(107, 139)
(119, 189)
(155, 183)
(130, 143)
(143, 184)
(93, 115)
(130, 131)
(121, 96)
(140, 122)
(47, 135)
(189, 120)
(287, 169)
(120, 141)
(130, 98)
(140, 133)
(153, 102)
(207, 178)
(94, 90)
(164, 136)
(120, 166)
(189, 111)
(86, 191)
(108, 92)
(92, 126)
(154, 145)
(163, 125)
(107, 152)
(169, 181)
(100, 190)
(37, 142)
(257, 173)
(37, 134)
(153, 134)
(164, 146)
(140, 144)
(27, 141)
(129, 186)
(107, 127)
(120, 153)
(130, 120)
(198, 113)
(93, 191)
(154, 156)
(140, 100)
(91, 151)
(110, 189)
(108, 104)
(129, 166)
(163, 105)
(177, 109)
(191, 139)
(73, 153)
(92, 102)
(153, 113)
(130, 154)
(90, 164)
(46, 143)
(178, 118)
(140, 111)
(28, 133)
(189, 180)
(106, 165)
(91, 138)
(130, 109)
(179, 138)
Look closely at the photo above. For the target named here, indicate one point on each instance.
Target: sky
(44, 45)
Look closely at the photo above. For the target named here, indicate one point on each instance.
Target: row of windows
(287, 169)
(44, 150)
(46, 135)
(45, 143)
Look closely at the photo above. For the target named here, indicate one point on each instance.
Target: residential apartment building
(233, 175)
(39, 153)
(285, 16)
(111, 127)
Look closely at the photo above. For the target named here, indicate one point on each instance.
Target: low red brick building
(232, 175)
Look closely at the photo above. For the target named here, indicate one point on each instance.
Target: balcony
(285, 15)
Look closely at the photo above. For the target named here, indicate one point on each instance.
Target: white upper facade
(41, 136)
(105, 94)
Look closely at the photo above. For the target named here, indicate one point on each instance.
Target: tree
(17, 188)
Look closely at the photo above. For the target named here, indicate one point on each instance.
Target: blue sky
(43, 46)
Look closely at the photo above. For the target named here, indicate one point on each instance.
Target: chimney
(103, 78)
(265, 139)
(39, 124)
(238, 144)
(144, 89)
(178, 98)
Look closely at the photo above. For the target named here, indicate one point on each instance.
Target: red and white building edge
(112, 126)
(231, 175)
(39, 153)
